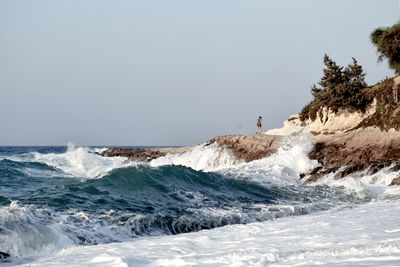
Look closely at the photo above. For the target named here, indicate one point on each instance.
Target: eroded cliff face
(327, 122)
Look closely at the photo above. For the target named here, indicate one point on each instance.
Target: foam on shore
(365, 235)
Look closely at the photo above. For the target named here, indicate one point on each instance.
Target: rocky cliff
(347, 142)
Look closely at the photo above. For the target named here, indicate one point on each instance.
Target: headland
(346, 141)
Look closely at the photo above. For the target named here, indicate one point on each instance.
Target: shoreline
(342, 153)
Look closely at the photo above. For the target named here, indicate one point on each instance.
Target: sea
(68, 206)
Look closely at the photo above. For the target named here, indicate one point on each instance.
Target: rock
(375, 167)
(361, 146)
(396, 167)
(315, 177)
(249, 147)
(315, 170)
(395, 181)
(4, 255)
(143, 155)
(319, 172)
(349, 170)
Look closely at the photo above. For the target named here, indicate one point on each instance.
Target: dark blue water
(38, 198)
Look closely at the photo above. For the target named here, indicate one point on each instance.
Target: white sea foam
(261, 212)
(202, 157)
(365, 185)
(26, 232)
(284, 166)
(365, 235)
(78, 162)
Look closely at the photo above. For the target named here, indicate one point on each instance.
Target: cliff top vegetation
(339, 88)
(345, 87)
(387, 42)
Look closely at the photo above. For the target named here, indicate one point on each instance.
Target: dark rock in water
(144, 155)
(315, 170)
(319, 172)
(302, 175)
(315, 174)
(4, 255)
(375, 167)
(395, 181)
(349, 170)
(396, 167)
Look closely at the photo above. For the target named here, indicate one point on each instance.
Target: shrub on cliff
(387, 42)
(387, 114)
(339, 88)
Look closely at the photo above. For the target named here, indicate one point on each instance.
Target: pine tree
(315, 91)
(354, 74)
(333, 74)
(387, 42)
(339, 88)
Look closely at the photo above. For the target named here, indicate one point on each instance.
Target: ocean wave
(78, 162)
(201, 158)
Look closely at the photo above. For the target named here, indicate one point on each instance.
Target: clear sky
(171, 72)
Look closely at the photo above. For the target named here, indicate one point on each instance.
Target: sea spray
(364, 184)
(77, 162)
(281, 168)
(293, 152)
(203, 157)
(28, 231)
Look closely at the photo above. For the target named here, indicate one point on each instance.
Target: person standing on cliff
(259, 125)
